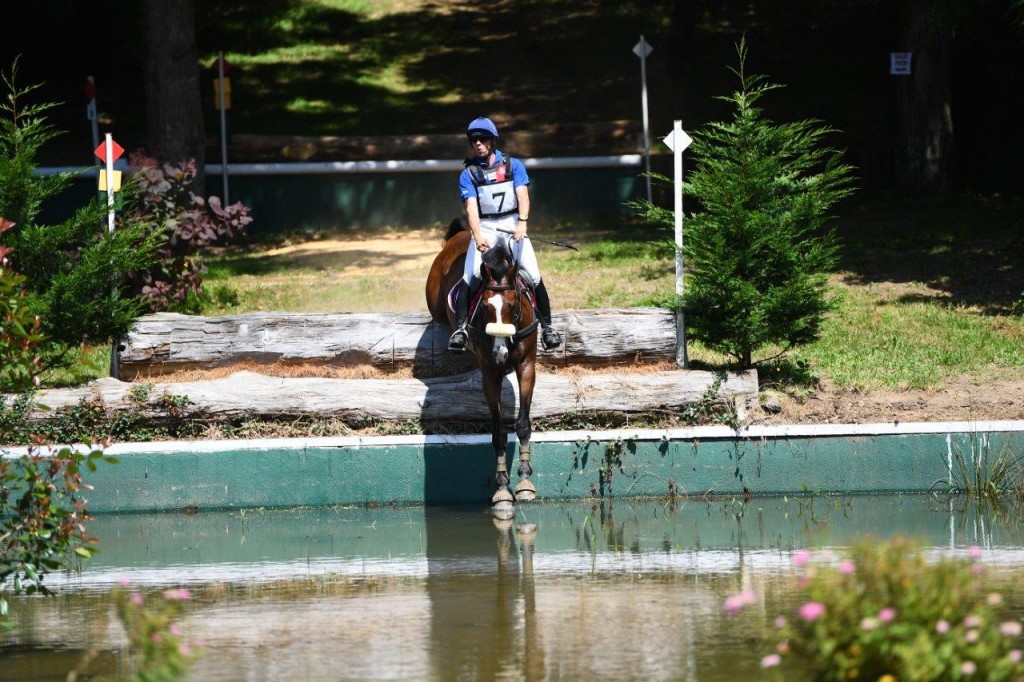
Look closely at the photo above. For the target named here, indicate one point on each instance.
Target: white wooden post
(642, 49)
(110, 182)
(678, 141)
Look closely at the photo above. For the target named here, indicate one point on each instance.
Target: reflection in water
(626, 591)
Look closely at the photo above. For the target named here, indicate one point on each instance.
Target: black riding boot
(548, 336)
(460, 337)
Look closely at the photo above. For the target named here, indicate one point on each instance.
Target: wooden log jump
(247, 394)
(166, 342)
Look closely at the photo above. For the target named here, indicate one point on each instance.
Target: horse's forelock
(498, 261)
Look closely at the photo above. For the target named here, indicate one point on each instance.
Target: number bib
(497, 199)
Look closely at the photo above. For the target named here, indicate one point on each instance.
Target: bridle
(516, 310)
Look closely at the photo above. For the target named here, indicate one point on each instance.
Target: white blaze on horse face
(496, 302)
(500, 348)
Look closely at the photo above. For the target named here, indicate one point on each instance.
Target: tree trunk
(924, 105)
(174, 115)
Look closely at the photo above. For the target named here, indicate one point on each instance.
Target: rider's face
(482, 146)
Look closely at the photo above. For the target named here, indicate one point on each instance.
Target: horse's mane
(498, 259)
(454, 227)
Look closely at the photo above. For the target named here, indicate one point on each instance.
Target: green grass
(873, 340)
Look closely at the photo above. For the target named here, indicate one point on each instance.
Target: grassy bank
(926, 291)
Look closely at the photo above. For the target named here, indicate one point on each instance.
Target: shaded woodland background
(562, 69)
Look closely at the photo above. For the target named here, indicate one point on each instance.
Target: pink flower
(174, 629)
(886, 614)
(994, 599)
(1015, 655)
(156, 637)
(812, 610)
(974, 552)
(847, 567)
(735, 602)
(968, 668)
(802, 557)
(972, 621)
(780, 622)
(942, 627)
(977, 569)
(1011, 628)
(137, 599)
(177, 595)
(771, 660)
(185, 649)
(869, 624)
(123, 580)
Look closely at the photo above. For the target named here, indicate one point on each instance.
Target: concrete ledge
(707, 460)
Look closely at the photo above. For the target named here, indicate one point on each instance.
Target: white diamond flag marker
(682, 143)
(642, 48)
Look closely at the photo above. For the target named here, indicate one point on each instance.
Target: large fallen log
(455, 398)
(167, 342)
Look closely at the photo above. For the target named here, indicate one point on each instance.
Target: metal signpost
(222, 91)
(642, 49)
(678, 141)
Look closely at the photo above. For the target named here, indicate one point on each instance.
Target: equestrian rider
(495, 193)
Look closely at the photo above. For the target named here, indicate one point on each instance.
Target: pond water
(630, 590)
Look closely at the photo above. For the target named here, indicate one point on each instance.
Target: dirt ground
(967, 398)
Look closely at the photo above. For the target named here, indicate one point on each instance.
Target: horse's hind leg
(525, 490)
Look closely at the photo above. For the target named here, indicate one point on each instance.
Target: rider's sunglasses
(474, 137)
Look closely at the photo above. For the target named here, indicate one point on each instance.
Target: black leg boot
(460, 337)
(549, 338)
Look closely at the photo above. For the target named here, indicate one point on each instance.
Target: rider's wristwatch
(524, 218)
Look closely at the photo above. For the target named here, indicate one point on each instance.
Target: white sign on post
(899, 63)
(678, 141)
(642, 49)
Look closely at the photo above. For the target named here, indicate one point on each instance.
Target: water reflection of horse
(503, 336)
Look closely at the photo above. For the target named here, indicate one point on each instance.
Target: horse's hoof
(503, 514)
(502, 523)
(502, 502)
(527, 531)
(525, 491)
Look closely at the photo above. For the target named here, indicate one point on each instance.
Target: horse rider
(496, 195)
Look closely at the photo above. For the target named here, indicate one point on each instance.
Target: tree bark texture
(167, 342)
(174, 116)
(455, 398)
(923, 98)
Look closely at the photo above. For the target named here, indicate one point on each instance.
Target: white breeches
(522, 251)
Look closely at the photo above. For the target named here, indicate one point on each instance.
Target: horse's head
(504, 303)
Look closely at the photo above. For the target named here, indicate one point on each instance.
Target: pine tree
(757, 252)
(76, 275)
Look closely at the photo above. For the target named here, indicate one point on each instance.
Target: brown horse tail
(455, 226)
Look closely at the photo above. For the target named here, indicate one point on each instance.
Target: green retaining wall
(287, 203)
(568, 465)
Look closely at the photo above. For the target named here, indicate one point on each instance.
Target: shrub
(185, 224)
(757, 257)
(889, 612)
(77, 277)
(42, 513)
(19, 328)
(155, 634)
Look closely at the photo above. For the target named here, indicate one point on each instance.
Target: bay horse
(503, 335)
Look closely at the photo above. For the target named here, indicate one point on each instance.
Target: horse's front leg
(526, 373)
(502, 501)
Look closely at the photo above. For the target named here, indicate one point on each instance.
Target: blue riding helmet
(481, 126)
